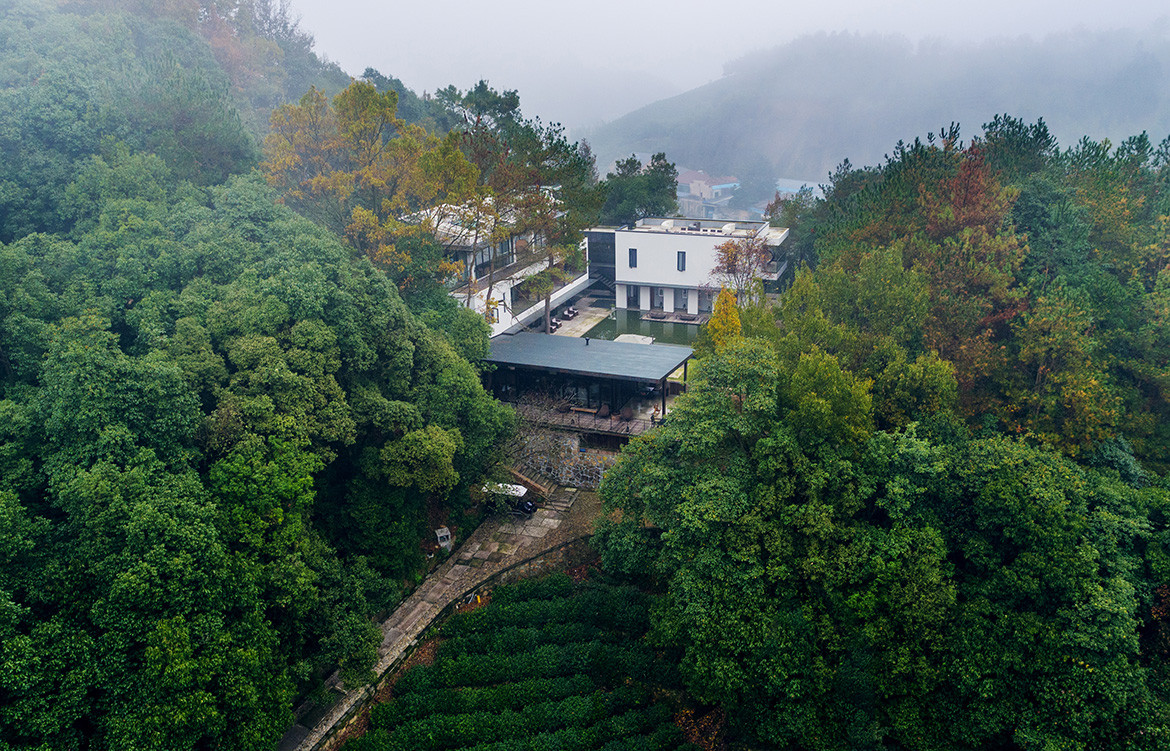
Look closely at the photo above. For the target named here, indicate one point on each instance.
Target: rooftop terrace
(718, 227)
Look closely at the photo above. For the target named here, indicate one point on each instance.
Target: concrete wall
(658, 258)
(560, 297)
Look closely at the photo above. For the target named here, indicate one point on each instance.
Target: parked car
(510, 498)
(521, 507)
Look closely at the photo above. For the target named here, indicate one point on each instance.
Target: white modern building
(669, 264)
(502, 298)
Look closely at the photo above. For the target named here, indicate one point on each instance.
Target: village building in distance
(702, 196)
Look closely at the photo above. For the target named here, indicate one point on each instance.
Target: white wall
(510, 318)
(657, 258)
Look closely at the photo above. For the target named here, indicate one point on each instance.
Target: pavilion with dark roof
(588, 374)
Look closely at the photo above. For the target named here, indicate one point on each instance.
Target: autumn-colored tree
(972, 197)
(358, 169)
(739, 264)
(973, 298)
(724, 327)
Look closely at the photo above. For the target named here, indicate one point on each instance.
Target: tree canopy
(919, 501)
(223, 433)
(635, 190)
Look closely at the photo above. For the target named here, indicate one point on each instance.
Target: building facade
(669, 264)
(503, 298)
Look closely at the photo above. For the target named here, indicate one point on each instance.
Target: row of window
(682, 259)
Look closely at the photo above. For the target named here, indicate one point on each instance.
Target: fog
(587, 63)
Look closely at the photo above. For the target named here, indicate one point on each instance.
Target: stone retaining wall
(564, 556)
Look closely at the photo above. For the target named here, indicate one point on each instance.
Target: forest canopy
(920, 501)
(223, 434)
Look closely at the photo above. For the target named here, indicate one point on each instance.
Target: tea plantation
(548, 665)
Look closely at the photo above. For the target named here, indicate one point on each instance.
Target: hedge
(553, 585)
(621, 608)
(598, 735)
(450, 701)
(515, 639)
(529, 673)
(607, 664)
(456, 731)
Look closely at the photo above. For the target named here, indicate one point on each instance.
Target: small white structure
(443, 535)
(669, 264)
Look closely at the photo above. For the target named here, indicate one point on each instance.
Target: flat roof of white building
(708, 227)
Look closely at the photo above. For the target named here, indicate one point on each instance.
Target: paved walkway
(497, 544)
(587, 318)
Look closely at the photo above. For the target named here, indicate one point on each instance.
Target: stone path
(497, 544)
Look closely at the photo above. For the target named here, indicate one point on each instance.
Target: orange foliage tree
(355, 167)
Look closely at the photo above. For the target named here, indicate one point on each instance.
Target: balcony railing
(581, 421)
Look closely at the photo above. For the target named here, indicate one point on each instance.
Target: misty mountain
(800, 109)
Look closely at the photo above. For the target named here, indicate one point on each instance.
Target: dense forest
(223, 431)
(920, 502)
(917, 502)
(235, 396)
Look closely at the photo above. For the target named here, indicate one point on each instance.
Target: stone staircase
(561, 500)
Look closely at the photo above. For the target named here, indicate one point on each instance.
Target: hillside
(800, 109)
(921, 501)
(222, 431)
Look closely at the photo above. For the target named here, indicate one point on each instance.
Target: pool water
(630, 322)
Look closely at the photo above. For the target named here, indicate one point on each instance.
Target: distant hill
(798, 110)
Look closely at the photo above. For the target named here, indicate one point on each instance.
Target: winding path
(496, 545)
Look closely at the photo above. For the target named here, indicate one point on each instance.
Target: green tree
(636, 191)
(853, 591)
(724, 328)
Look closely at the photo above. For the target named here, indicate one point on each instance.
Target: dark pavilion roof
(626, 361)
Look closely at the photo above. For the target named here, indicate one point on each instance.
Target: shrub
(418, 679)
(509, 696)
(621, 608)
(456, 731)
(546, 588)
(516, 639)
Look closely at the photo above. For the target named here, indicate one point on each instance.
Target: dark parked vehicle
(521, 507)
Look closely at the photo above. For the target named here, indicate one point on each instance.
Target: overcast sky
(583, 63)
